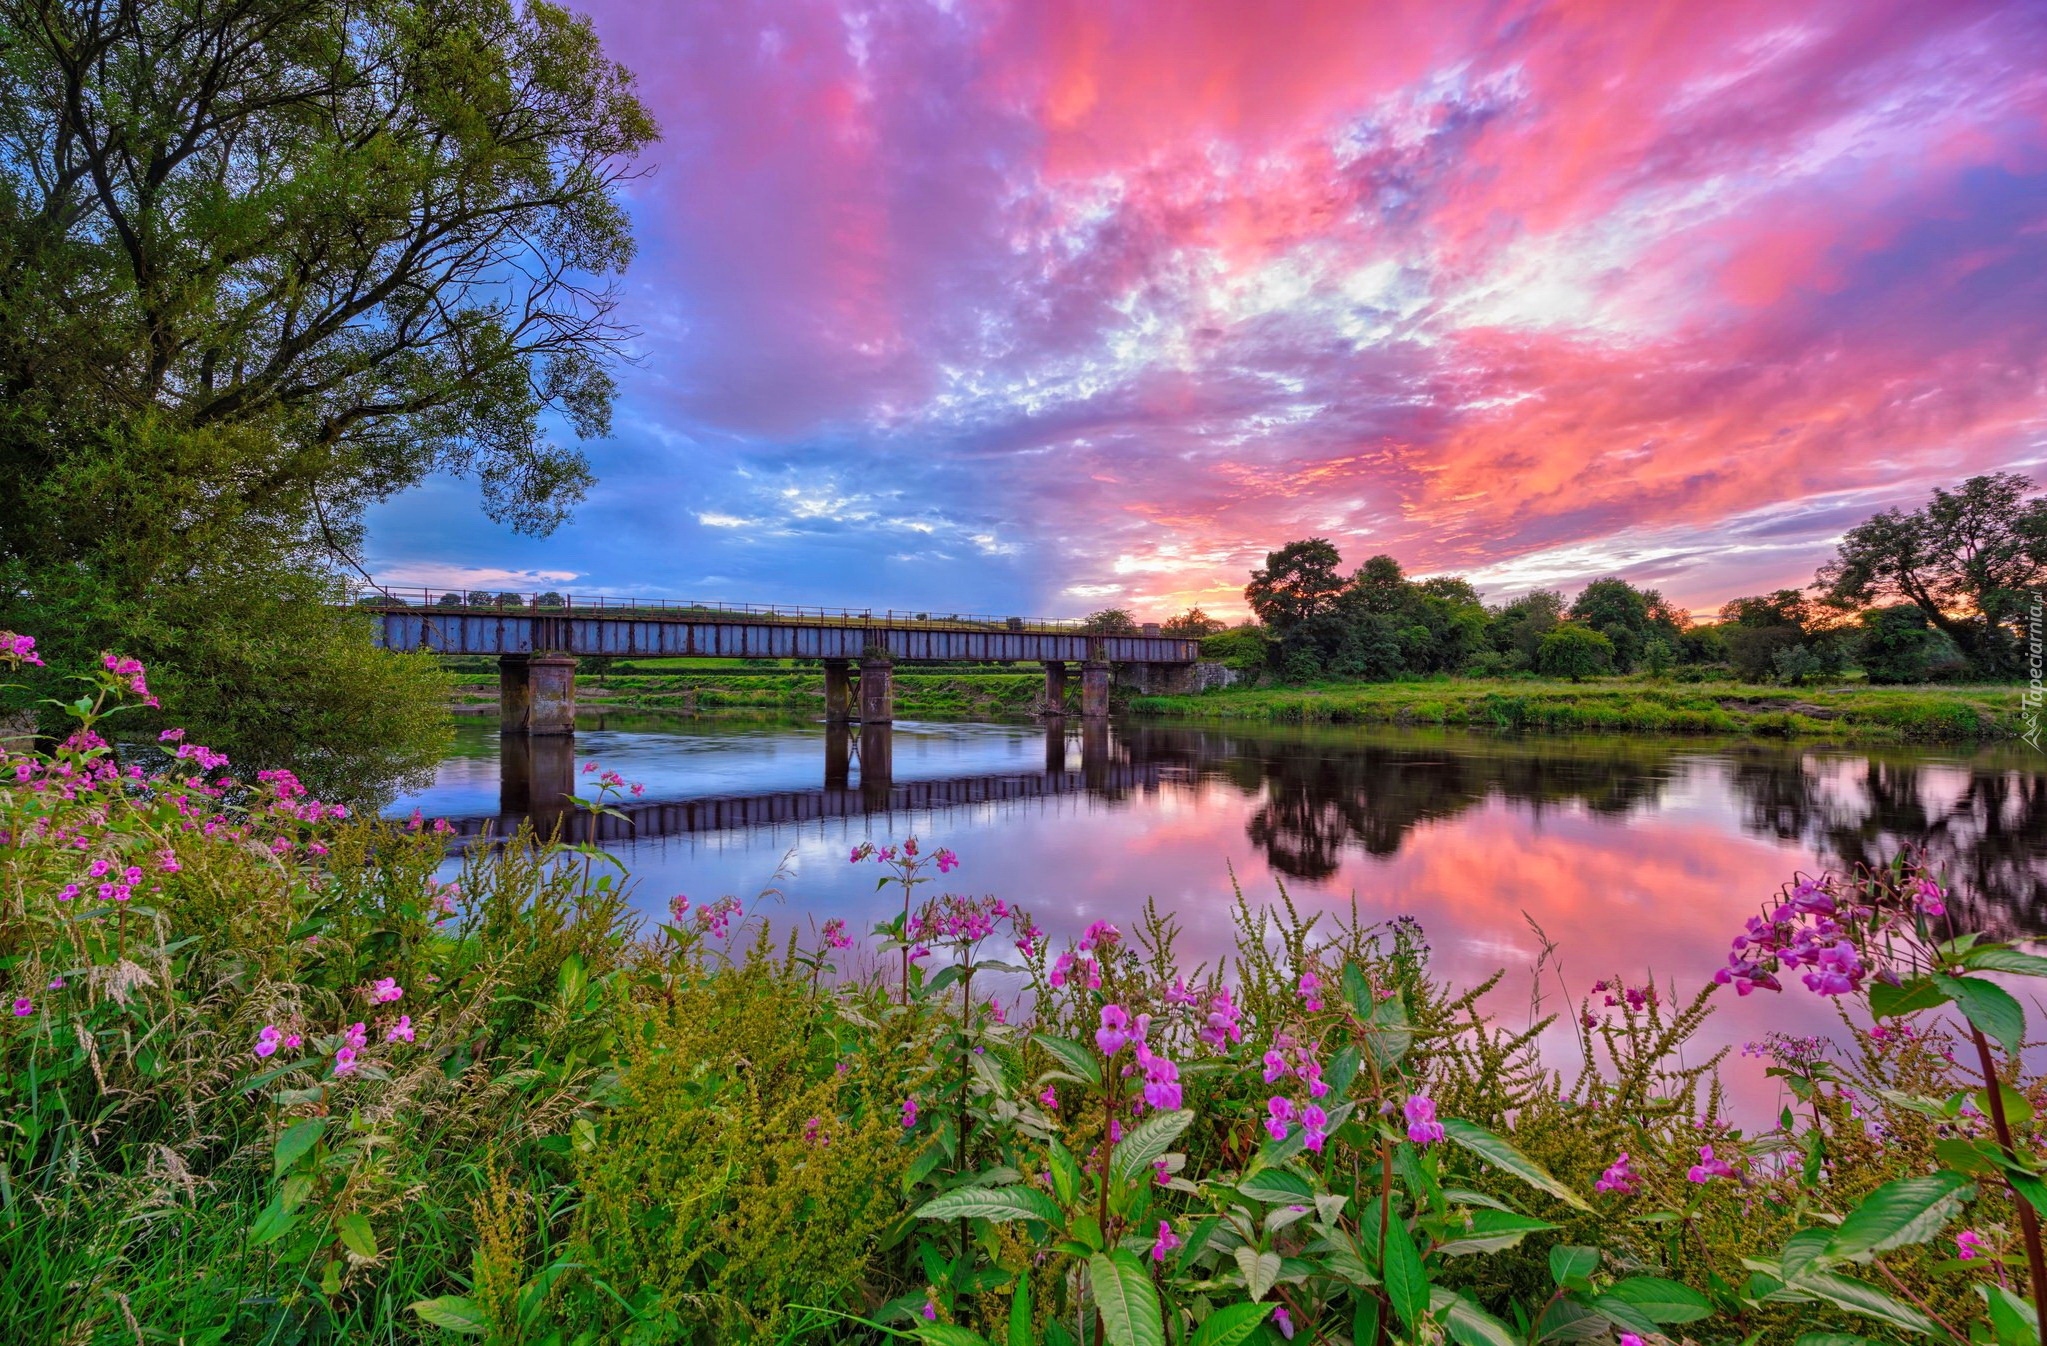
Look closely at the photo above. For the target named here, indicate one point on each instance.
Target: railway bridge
(537, 639)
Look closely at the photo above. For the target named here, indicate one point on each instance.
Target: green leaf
(1469, 1324)
(998, 1204)
(1148, 1140)
(1662, 1301)
(1864, 1298)
(2001, 958)
(356, 1235)
(1989, 1007)
(1802, 1250)
(1571, 1267)
(1260, 1269)
(1489, 1231)
(1126, 1299)
(949, 1334)
(1834, 1339)
(2014, 1321)
(271, 1223)
(1569, 1320)
(1073, 1057)
(1020, 1313)
(571, 980)
(1231, 1325)
(2018, 1109)
(1919, 993)
(1909, 1210)
(295, 1140)
(454, 1313)
(1407, 1285)
(1065, 1171)
(1623, 1315)
(1277, 1187)
(1500, 1154)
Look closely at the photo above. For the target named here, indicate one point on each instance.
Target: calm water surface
(1638, 857)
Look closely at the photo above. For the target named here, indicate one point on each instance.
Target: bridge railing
(478, 602)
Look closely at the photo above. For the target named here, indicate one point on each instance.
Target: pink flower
(344, 1060)
(1618, 1178)
(930, 1312)
(1111, 1037)
(1284, 1322)
(1279, 1111)
(386, 990)
(1311, 992)
(357, 1035)
(813, 1131)
(266, 1041)
(170, 736)
(947, 861)
(1970, 1245)
(1631, 1339)
(1275, 1067)
(909, 1113)
(1422, 1126)
(1050, 1098)
(400, 1031)
(1708, 1168)
(23, 1007)
(1166, 1242)
(292, 1041)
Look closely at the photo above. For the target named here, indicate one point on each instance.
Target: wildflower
(386, 990)
(1111, 1037)
(1422, 1126)
(947, 861)
(1166, 1242)
(1223, 1025)
(813, 1131)
(589, 768)
(678, 907)
(930, 1312)
(1100, 935)
(400, 1031)
(638, 789)
(835, 936)
(1284, 1322)
(170, 736)
(1275, 1067)
(20, 647)
(1050, 1098)
(1708, 1168)
(292, 1041)
(1314, 1127)
(1970, 1245)
(69, 891)
(1632, 1339)
(1279, 1111)
(909, 1113)
(357, 1035)
(56, 983)
(266, 1041)
(1161, 1076)
(344, 1060)
(1928, 899)
(23, 1007)
(1311, 988)
(1178, 994)
(1619, 1177)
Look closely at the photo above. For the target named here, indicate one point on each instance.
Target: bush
(1572, 651)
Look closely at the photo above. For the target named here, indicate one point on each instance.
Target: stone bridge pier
(537, 694)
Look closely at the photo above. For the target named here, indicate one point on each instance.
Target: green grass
(715, 685)
(1637, 705)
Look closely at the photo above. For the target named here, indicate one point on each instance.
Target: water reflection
(1313, 801)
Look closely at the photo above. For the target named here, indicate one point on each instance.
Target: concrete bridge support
(1055, 747)
(838, 691)
(877, 691)
(537, 694)
(838, 755)
(1094, 689)
(877, 764)
(1055, 687)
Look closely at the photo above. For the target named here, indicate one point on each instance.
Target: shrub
(1572, 651)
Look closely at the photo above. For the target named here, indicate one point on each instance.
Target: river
(1638, 857)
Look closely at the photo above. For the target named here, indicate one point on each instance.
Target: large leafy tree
(1297, 583)
(1967, 560)
(266, 262)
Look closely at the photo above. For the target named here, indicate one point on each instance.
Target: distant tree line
(1938, 593)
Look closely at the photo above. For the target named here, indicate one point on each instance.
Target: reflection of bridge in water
(537, 779)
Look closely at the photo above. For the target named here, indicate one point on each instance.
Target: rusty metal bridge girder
(517, 633)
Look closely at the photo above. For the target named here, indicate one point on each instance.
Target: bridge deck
(654, 632)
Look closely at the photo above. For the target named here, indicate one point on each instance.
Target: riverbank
(1636, 705)
(697, 685)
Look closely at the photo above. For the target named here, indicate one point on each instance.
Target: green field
(695, 685)
(1638, 704)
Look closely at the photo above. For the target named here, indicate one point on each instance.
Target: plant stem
(1385, 1219)
(2029, 1219)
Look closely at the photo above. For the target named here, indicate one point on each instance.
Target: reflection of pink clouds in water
(1656, 893)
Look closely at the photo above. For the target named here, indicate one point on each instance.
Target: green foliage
(1897, 644)
(1574, 651)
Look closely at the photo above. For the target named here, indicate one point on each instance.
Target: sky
(1046, 306)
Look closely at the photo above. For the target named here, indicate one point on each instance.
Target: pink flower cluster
(716, 919)
(131, 671)
(1619, 1177)
(1422, 1126)
(1161, 1075)
(1289, 1059)
(21, 649)
(1082, 961)
(835, 936)
(1709, 1168)
(348, 1056)
(1800, 932)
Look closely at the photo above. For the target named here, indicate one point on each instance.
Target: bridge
(537, 639)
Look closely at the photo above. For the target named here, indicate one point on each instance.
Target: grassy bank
(266, 1080)
(1853, 713)
(721, 685)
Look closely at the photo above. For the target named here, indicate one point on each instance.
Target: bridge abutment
(1094, 688)
(877, 690)
(536, 779)
(537, 694)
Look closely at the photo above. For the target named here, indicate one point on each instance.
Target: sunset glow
(1052, 305)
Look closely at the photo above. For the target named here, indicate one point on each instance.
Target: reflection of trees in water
(1988, 837)
(1323, 794)
(1322, 797)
